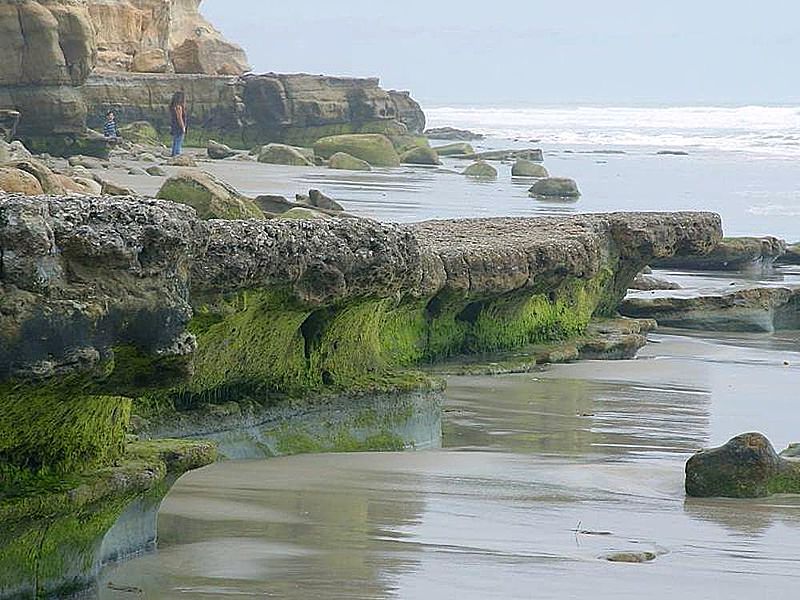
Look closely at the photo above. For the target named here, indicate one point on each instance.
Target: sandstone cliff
(161, 36)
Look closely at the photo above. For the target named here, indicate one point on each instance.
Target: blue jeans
(177, 143)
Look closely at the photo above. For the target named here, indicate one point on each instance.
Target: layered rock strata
(255, 109)
(116, 305)
(732, 254)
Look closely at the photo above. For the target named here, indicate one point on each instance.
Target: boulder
(146, 157)
(80, 185)
(732, 254)
(555, 187)
(136, 171)
(481, 170)
(281, 154)
(420, 156)
(375, 149)
(184, 160)
(320, 200)
(455, 149)
(527, 168)
(87, 162)
(110, 188)
(647, 283)
(346, 162)
(13, 151)
(212, 198)
(140, 132)
(156, 171)
(405, 142)
(219, 151)
(46, 178)
(746, 467)
(531, 154)
(274, 204)
(451, 133)
(16, 181)
(791, 256)
(765, 309)
(302, 213)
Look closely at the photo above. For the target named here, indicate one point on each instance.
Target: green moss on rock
(209, 196)
(375, 149)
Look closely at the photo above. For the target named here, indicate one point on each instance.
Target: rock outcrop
(767, 309)
(555, 187)
(732, 254)
(746, 467)
(161, 36)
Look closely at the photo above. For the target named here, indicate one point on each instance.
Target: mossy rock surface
(481, 170)
(140, 132)
(347, 162)
(555, 187)
(281, 154)
(303, 213)
(209, 196)
(420, 156)
(404, 143)
(375, 149)
(455, 149)
(527, 168)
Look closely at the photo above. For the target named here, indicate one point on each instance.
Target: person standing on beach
(177, 112)
(110, 129)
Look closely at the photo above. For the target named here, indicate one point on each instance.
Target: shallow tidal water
(539, 477)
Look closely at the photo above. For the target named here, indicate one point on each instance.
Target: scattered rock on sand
(320, 200)
(555, 187)
(43, 174)
(451, 133)
(481, 170)
(456, 149)
(156, 171)
(420, 156)
(17, 181)
(219, 151)
(746, 467)
(184, 160)
(212, 198)
(630, 557)
(146, 157)
(110, 188)
(88, 162)
(528, 168)
(732, 254)
(346, 162)
(281, 154)
(274, 204)
(376, 149)
(136, 171)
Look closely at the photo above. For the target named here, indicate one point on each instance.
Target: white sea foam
(756, 130)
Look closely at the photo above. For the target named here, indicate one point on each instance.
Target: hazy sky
(533, 52)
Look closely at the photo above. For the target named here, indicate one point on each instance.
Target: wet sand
(527, 460)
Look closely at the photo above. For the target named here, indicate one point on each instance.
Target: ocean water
(753, 131)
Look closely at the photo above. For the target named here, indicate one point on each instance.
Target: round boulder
(281, 154)
(528, 168)
(209, 196)
(16, 181)
(481, 170)
(140, 132)
(346, 162)
(374, 148)
(420, 156)
(219, 151)
(555, 187)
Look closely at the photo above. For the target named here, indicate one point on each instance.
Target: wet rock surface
(732, 254)
(746, 467)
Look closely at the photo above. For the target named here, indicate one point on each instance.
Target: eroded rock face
(733, 254)
(161, 36)
(746, 467)
(48, 48)
(87, 274)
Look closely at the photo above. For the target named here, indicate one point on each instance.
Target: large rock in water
(455, 149)
(555, 187)
(420, 156)
(375, 149)
(527, 168)
(209, 196)
(746, 467)
(344, 161)
(733, 254)
(481, 170)
(766, 309)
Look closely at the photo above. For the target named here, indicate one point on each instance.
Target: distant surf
(756, 130)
